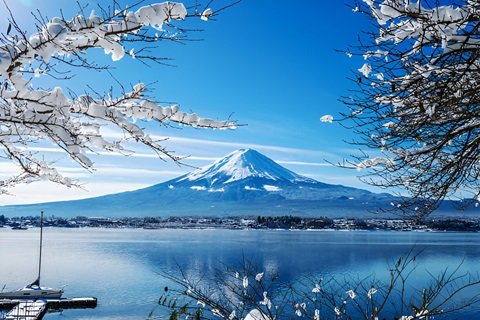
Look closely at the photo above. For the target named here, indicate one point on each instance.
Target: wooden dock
(27, 310)
(36, 309)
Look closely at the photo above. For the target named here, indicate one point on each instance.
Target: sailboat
(34, 290)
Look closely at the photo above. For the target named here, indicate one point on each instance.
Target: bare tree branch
(416, 101)
(74, 124)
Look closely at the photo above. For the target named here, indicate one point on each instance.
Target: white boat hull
(32, 292)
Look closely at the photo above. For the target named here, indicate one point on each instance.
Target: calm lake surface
(121, 266)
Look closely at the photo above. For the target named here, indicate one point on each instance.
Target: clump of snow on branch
(365, 70)
(74, 124)
(326, 118)
(206, 14)
(373, 162)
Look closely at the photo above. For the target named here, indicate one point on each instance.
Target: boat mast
(41, 240)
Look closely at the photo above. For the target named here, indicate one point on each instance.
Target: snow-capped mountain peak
(239, 165)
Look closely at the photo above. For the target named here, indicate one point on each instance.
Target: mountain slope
(245, 182)
(239, 165)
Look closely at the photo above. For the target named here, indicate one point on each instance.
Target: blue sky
(272, 64)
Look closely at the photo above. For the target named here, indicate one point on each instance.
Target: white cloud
(137, 172)
(109, 133)
(189, 144)
(304, 163)
(196, 142)
(44, 191)
(118, 154)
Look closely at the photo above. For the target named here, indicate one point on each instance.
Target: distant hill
(245, 182)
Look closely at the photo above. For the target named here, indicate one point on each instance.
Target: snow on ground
(271, 188)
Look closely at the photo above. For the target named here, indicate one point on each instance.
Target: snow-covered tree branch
(418, 99)
(251, 293)
(74, 123)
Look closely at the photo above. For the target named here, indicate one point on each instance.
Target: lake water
(121, 266)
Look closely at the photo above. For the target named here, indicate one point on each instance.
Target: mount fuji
(244, 182)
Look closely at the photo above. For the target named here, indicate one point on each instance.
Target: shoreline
(293, 223)
(265, 230)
